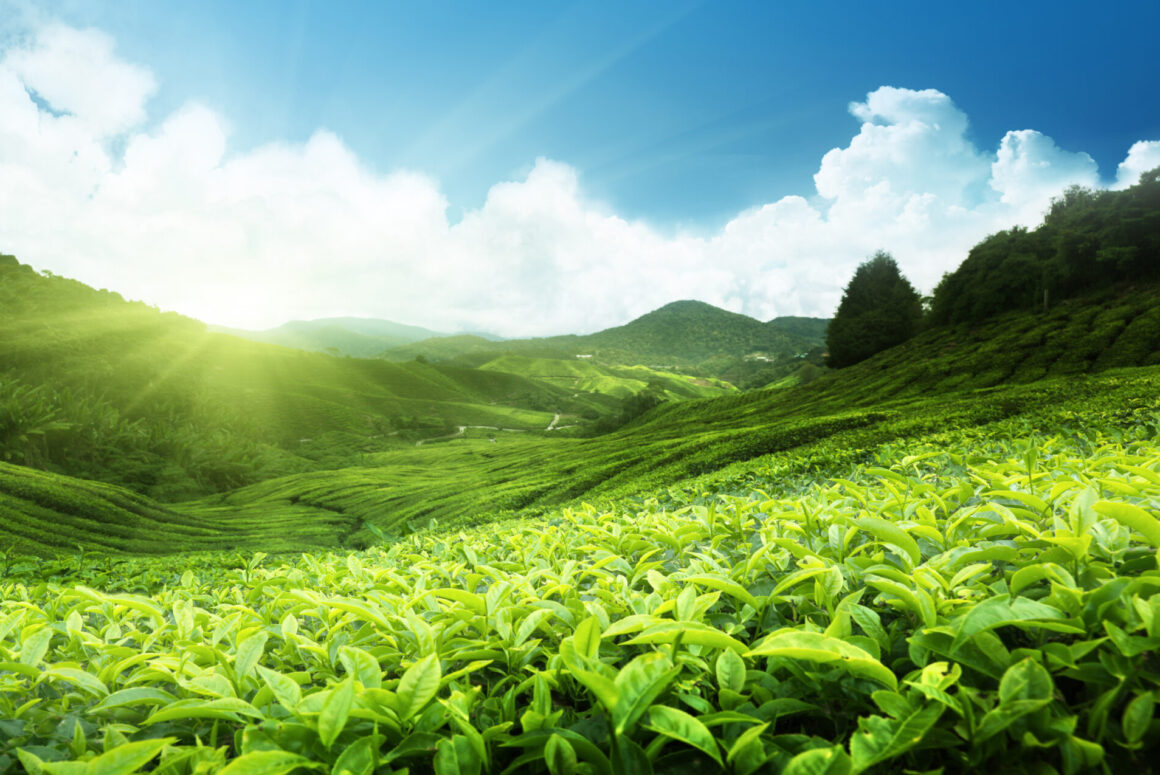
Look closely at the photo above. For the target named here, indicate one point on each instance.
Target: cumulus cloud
(178, 218)
(1142, 157)
(77, 73)
(1030, 168)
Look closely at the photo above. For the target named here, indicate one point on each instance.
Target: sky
(534, 168)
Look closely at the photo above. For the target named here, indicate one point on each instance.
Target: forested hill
(1089, 240)
(693, 331)
(680, 334)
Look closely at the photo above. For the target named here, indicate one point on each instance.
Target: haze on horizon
(536, 169)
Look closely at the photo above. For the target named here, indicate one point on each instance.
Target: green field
(970, 598)
(223, 556)
(587, 376)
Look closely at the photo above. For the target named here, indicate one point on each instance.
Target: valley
(591, 553)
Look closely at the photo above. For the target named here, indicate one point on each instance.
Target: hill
(921, 388)
(357, 337)
(944, 378)
(1088, 241)
(685, 335)
(94, 386)
(588, 376)
(693, 331)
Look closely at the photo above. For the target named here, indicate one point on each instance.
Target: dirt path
(457, 434)
(463, 429)
(555, 420)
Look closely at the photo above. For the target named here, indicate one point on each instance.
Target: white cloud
(308, 230)
(76, 72)
(1029, 169)
(1143, 156)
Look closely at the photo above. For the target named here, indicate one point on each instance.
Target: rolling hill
(586, 376)
(356, 337)
(683, 335)
(95, 386)
(932, 384)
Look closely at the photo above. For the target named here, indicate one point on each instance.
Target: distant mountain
(807, 328)
(693, 331)
(358, 337)
(680, 334)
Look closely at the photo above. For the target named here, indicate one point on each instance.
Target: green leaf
(227, 708)
(586, 638)
(1025, 688)
(630, 758)
(999, 611)
(249, 652)
(137, 695)
(35, 646)
(689, 633)
(728, 586)
(917, 600)
(79, 678)
(820, 761)
(128, 758)
(285, 689)
(747, 752)
(415, 744)
(1134, 517)
(359, 758)
(418, 686)
(889, 533)
(335, 711)
(1030, 574)
(560, 756)
(798, 644)
(601, 686)
(639, 683)
(1138, 717)
(463, 597)
(879, 738)
(269, 763)
(730, 671)
(456, 756)
(681, 726)
(362, 666)
(530, 623)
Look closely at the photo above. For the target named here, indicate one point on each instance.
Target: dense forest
(1090, 243)
(1089, 240)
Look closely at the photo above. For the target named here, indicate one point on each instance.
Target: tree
(879, 309)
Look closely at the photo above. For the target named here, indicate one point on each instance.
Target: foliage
(879, 309)
(975, 599)
(1089, 240)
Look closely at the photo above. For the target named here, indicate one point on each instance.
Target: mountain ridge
(680, 334)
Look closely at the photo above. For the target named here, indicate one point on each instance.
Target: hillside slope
(357, 337)
(585, 375)
(44, 514)
(683, 334)
(923, 387)
(94, 386)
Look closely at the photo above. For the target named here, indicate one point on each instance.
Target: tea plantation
(980, 597)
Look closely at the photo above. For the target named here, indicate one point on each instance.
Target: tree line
(1088, 241)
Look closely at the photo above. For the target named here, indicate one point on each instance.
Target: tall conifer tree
(879, 310)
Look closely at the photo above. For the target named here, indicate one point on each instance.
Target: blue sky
(677, 118)
(675, 112)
